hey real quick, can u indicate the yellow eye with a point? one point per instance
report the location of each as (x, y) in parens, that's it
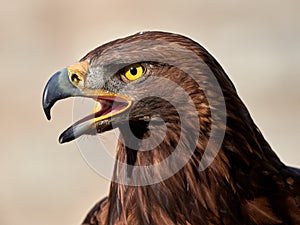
(134, 72)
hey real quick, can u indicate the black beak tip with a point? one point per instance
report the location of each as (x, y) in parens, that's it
(61, 139)
(46, 104)
(67, 136)
(47, 113)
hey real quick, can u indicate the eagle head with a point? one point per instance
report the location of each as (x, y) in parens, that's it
(147, 80)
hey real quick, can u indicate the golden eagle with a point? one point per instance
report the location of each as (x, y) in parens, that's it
(189, 152)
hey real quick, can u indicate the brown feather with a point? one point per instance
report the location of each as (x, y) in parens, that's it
(245, 184)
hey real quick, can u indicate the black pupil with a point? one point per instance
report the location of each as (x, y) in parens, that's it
(133, 71)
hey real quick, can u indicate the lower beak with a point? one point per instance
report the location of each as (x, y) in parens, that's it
(108, 105)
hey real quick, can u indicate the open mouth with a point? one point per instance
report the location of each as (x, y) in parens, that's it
(66, 83)
(100, 120)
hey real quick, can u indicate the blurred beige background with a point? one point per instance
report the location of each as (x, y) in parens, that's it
(45, 183)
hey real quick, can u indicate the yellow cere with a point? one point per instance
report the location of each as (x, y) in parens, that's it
(77, 73)
(134, 72)
(80, 67)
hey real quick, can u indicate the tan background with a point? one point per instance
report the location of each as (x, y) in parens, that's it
(45, 183)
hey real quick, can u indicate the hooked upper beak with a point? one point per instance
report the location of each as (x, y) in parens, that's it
(70, 82)
(58, 87)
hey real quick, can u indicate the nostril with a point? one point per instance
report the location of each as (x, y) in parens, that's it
(75, 78)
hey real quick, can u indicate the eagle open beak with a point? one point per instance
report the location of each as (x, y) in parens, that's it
(69, 82)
